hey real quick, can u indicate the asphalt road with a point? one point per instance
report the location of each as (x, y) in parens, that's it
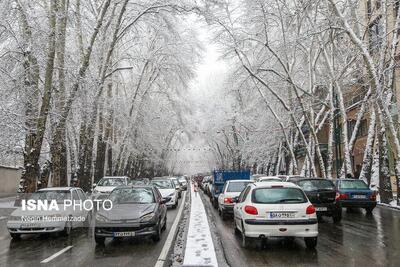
(359, 240)
(31, 250)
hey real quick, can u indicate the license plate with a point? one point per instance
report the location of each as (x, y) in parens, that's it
(359, 196)
(30, 225)
(123, 234)
(321, 208)
(281, 215)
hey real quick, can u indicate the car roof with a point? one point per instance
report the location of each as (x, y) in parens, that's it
(108, 177)
(66, 188)
(274, 184)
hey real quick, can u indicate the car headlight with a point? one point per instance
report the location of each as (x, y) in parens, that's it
(15, 218)
(101, 218)
(172, 194)
(147, 217)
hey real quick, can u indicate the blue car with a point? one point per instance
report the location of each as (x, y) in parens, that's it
(353, 193)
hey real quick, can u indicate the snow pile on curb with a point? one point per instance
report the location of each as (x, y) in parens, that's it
(199, 244)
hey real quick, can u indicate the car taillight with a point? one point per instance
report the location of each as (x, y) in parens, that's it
(341, 196)
(251, 210)
(310, 209)
(228, 200)
(373, 196)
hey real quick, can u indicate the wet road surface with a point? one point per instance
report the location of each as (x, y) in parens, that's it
(31, 250)
(359, 240)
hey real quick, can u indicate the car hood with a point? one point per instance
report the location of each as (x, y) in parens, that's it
(166, 192)
(127, 211)
(104, 189)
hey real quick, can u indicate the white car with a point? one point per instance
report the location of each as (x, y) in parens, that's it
(231, 189)
(275, 209)
(269, 179)
(50, 220)
(167, 189)
(107, 184)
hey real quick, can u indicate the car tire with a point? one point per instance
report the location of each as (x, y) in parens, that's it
(99, 239)
(157, 236)
(165, 224)
(67, 229)
(311, 242)
(369, 210)
(15, 236)
(245, 240)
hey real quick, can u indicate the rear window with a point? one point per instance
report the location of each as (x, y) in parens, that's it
(314, 185)
(356, 184)
(236, 186)
(278, 195)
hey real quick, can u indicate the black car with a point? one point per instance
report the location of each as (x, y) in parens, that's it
(135, 211)
(322, 194)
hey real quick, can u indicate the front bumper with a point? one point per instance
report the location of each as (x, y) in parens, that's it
(35, 228)
(357, 203)
(108, 230)
(281, 228)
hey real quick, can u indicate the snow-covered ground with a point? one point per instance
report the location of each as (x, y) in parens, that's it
(199, 244)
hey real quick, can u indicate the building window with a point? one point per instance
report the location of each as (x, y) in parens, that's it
(362, 129)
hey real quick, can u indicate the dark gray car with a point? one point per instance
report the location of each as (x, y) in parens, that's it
(136, 211)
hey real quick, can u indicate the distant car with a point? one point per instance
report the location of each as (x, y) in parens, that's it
(178, 187)
(106, 184)
(231, 189)
(354, 193)
(293, 178)
(143, 181)
(275, 209)
(136, 211)
(269, 179)
(167, 190)
(182, 180)
(322, 193)
(37, 224)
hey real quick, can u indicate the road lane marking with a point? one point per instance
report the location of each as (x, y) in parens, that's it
(55, 255)
(167, 245)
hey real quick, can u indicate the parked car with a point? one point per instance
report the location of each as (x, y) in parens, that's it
(354, 193)
(269, 179)
(322, 193)
(275, 209)
(167, 190)
(231, 189)
(103, 188)
(136, 211)
(49, 221)
(177, 186)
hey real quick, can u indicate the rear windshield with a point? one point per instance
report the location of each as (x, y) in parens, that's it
(236, 186)
(353, 184)
(278, 195)
(314, 185)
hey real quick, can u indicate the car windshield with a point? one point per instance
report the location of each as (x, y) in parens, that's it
(182, 180)
(175, 181)
(132, 195)
(162, 184)
(278, 195)
(353, 184)
(236, 186)
(314, 185)
(111, 182)
(58, 195)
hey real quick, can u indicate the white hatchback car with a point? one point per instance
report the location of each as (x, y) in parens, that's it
(232, 189)
(275, 209)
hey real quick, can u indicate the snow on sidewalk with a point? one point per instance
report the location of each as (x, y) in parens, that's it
(199, 245)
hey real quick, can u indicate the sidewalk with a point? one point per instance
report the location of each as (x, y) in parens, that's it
(199, 244)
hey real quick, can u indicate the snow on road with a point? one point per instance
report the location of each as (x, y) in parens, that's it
(199, 245)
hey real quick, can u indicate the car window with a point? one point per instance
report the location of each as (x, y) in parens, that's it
(111, 182)
(81, 195)
(158, 195)
(236, 186)
(353, 184)
(75, 195)
(132, 195)
(313, 185)
(244, 194)
(224, 188)
(278, 195)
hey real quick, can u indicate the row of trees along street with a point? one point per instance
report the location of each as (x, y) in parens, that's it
(295, 67)
(98, 87)
(92, 87)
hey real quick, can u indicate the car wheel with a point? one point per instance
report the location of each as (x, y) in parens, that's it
(165, 224)
(99, 239)
(245, 239)
(311, 242)
(67, 229)
(369, 210)
(157, 236)
(15, 236)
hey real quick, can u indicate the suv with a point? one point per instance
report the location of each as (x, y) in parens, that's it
(275, 209)
(322, 193)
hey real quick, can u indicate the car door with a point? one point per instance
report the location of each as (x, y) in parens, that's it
(161, 208)
(238, 206)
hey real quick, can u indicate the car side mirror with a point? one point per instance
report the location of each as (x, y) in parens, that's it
(235, 199)
(94, 185)
(165, 200)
